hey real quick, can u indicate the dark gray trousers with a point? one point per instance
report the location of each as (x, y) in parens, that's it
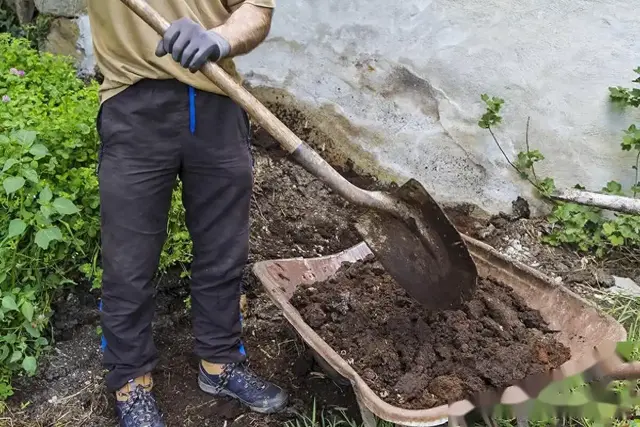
(146, 144)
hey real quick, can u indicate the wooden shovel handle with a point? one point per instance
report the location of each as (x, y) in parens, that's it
(301, 152)
(287, 139)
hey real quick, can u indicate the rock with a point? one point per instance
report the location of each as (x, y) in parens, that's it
(604, 279)
(521, 208)
(72, 37)
(487, 232)
(579, 276)
(624, 285)
(63, 38)
(499, 221)
(62, 8)
(24, 9)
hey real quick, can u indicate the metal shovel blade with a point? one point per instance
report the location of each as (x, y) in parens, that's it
(433, 265)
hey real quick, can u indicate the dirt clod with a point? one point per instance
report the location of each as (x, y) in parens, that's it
(421, 359)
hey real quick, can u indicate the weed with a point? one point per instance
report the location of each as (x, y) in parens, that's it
(585, 228)
(9, 22)
(49, 200)
(36, 32)
(177, 248)
(325, 418)
(625, 97)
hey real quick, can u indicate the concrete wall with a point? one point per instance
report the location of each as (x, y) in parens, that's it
(396, 85)
(408, 76)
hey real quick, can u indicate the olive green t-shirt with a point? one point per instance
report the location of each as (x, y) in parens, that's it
(124, 45)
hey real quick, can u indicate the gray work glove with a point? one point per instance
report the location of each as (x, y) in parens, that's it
(191, 45)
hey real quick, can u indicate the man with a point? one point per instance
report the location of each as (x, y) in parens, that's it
(160, 119)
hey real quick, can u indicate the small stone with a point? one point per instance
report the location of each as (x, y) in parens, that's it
(521, 208)
(487, 232)
(604, 279)
(315, 316)
(626, 286)
(368, 374)
(579, 276)
(499, 222)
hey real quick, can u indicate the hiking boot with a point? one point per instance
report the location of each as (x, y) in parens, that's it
(136, 407)
(239, 382)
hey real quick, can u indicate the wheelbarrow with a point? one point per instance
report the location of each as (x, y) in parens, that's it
(590, 334)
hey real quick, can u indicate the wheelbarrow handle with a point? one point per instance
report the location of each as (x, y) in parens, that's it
(626, 371)
(301, 152)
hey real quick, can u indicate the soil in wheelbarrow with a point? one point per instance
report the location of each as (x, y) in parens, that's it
(416, 359)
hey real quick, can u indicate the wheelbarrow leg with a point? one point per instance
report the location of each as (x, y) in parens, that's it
(457, 413)
(368, 418)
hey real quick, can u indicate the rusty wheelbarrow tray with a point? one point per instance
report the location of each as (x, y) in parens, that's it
(583, 328)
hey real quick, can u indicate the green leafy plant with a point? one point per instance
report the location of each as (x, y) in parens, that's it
(177, 248)
(49, 204)
(49, 199)
(36, 31)
(585, 228)
(9, 21)
(626, 96)
(631, 141)
(525, 161)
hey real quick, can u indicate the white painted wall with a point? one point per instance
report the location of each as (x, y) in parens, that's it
(413, 71)
(408, 76)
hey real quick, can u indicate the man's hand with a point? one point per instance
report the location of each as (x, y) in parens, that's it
(192, 45)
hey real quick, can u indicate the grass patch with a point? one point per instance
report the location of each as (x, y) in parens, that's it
(625, 309)
(328, 418)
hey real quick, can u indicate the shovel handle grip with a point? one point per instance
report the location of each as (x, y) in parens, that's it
(287, 139)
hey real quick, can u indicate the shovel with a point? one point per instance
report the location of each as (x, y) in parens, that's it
(407, 231)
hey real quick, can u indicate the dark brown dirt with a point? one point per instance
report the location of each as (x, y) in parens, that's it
(417, 359)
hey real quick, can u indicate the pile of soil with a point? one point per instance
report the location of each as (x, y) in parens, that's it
(416, 359)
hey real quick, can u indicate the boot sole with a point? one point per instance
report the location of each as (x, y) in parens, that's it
(217, 391)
